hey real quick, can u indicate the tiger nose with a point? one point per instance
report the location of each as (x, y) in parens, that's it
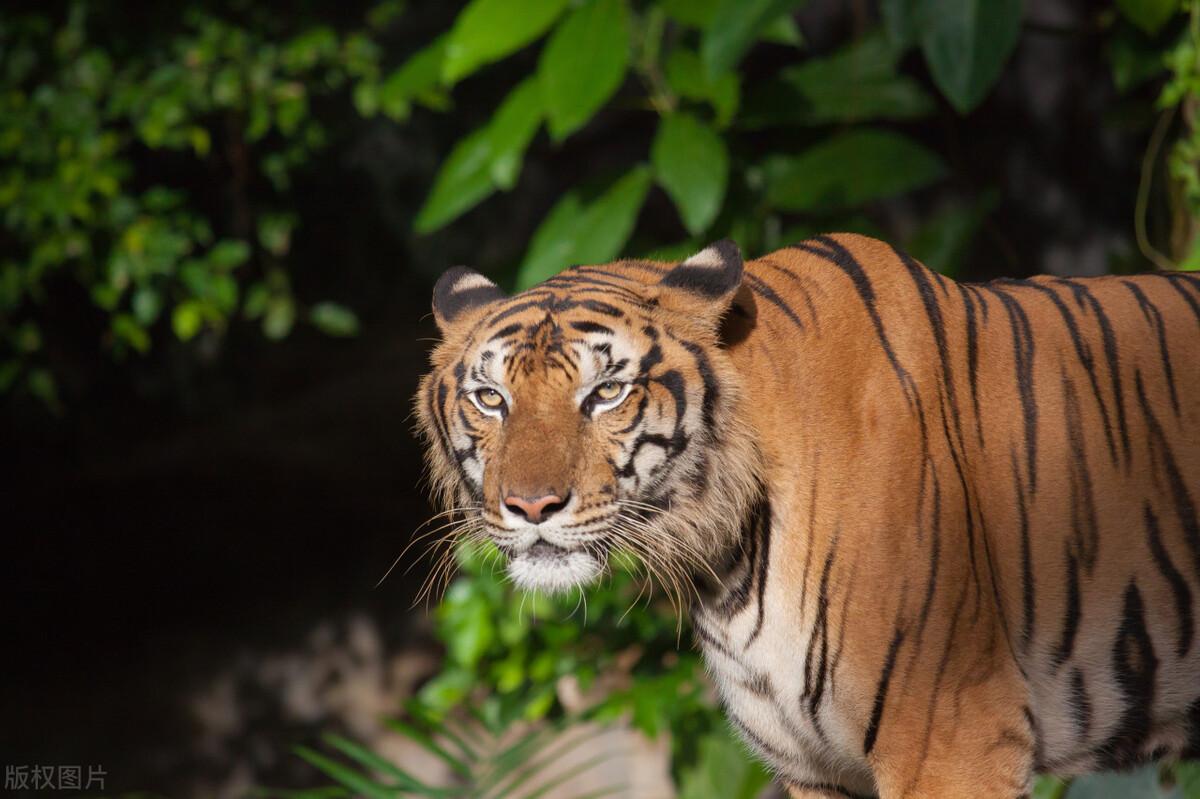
(536, 509)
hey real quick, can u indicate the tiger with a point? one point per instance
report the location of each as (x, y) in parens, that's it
(938, 536)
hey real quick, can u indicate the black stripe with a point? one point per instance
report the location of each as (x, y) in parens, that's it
(972, 356)
(1109, 340)
(1136, 667)
(840, 257)
(1023, 350)
(1154, 317)
(881, 690)
(1027, 578)
(1173, 280)
(1066, 644)
(1179, 586)
(1085, 528)
(760, 287)
(1081, 705)
(591, 327)
(1185, 508)
(1082, 352)
(816, 660)
(764, 563)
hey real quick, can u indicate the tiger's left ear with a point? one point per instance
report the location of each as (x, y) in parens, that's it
(458, 292)
(704, 285)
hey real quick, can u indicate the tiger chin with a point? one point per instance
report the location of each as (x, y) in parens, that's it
(941, 536)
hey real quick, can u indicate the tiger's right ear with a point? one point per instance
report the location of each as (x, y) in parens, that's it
(459, 291)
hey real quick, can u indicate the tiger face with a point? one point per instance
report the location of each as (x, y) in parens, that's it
(564, 421)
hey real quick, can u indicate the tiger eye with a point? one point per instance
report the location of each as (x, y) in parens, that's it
(489, 398)
(608, 390)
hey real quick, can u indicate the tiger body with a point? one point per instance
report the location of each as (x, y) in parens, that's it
(949, 531)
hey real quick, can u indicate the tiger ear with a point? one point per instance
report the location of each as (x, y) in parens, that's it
(460, 290)
(705, 284)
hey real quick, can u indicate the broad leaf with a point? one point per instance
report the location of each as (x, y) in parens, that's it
(486, 160)
(417, 80)
(902, 20)
(688, 78)
(1149, 15)
(462, 183)
(691, 163)
(511, 129)
(583, 64)
(855, 84)
(850, 169)
(942, 242)
(735, 26)
(488, 30)
(966, 43)
(333, 319)
(575, 232)
(1134, 59)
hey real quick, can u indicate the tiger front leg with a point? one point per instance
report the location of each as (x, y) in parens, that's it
(965, 733)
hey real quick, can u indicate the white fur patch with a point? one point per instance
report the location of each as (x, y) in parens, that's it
(709, 258)
(468, 282)
(553, 574)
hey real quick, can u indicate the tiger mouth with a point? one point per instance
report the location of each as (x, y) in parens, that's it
(544, 550)
(547, 567)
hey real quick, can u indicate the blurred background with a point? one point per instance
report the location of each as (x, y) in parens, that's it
(219, 227)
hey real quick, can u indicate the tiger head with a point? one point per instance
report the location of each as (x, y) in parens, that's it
(598, 410)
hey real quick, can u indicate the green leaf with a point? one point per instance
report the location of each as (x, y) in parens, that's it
(850, 169)
(735, 26)
(462, 183)
(583, 64)
(688, 77)
(275, 232)
(378, 764)
(418, 79)
(333, 319)
(467, 625)
(1134, 59)
(146, 304)
(902, 20)
(1046, 787)
(360, 785)
(578, 233)
(127, 329)
(966, 43)
(1187, 777)
(697, 13)
(279, 317)
(487, 159)
(187, 319)
(512, 128)
(942, 242)
(722, 768)
(1149, 15)
(427, 742)
(692, 165)
(855, 84)
(229, 254)
(488, 30)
